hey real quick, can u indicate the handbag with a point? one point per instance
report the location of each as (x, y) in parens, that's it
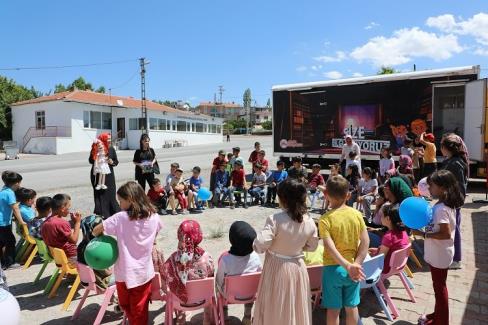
(156, 169)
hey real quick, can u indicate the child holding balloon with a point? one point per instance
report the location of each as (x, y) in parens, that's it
(439, 240)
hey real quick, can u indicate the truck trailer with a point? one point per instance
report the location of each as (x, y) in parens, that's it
(311, 119)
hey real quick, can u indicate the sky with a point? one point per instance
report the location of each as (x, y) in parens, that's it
(195, 46)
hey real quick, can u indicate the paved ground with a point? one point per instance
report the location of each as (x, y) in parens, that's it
(468, 288)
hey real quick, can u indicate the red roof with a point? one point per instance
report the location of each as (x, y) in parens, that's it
(223, 105)
(91, 97)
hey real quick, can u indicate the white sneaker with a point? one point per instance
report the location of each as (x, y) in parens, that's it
(98, 187)
(104, 187)
(455, 265)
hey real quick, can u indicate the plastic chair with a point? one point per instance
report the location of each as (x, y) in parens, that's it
(200, 295)
(32, 247)
(62, 263)
(23, 250)
(239, 289)
(87, 276)
(46, 259)
(398, 260)
(315, 278)
(372, 269)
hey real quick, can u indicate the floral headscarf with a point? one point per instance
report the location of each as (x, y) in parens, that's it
(189, 262)
(406, 164)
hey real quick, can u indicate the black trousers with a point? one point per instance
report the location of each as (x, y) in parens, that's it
(143, 178)
(271, 194)
(7, 241)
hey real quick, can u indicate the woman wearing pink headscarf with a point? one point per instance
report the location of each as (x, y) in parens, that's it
(457, 162)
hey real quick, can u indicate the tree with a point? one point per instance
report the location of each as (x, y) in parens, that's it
(79, 84)
(387, 70)
(268, 104)
(10, 92)
(246, 98)
(267, 125)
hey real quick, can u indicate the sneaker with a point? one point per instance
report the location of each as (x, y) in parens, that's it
(245, 206)
(98, 187)
(174, 212)
(422, 320)
(104, 187)
(14, 266)
(455, 265)
(162, 212)
(232, 207)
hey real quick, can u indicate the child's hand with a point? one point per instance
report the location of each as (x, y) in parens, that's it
(355, 272)
(76, 217)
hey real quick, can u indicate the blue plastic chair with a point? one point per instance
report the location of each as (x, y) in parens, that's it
(372, 269)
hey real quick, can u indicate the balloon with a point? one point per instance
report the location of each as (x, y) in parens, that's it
(9, 308)
(415, 212)
(204, 194)
(101, 252)
(423, 187)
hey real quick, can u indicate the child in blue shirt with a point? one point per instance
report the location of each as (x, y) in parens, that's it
(277, 176)
(26, 198)
(196, 182)
(8, 207)
(222, 181)
(43, 207)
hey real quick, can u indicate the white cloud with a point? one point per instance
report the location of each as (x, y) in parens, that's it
(357, 74)
(476, 26)
(339, 56)
(445, 23)
(301, 68)
(371, 25)
(406, 44)
(482, 52)
(333, 75)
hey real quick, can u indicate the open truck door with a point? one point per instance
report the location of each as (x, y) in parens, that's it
(474, 119)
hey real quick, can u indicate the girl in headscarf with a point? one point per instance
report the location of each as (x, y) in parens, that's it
(405, 170)
(457, 162)
(240, 259)
(397, 190)
(189, 262)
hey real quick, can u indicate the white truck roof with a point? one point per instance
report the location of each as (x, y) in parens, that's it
(475, 69)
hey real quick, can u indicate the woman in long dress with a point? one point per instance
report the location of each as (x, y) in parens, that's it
(350, 146)
(284, 295)
(105, 202)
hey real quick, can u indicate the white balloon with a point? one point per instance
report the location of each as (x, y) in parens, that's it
(423, 187)
(9, 308)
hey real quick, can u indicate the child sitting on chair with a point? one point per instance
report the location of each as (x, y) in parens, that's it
(43, 207)
(222, 181)
(157, 195)
(277, 176)
(179, 187)
(196, 182)
(258, 183)
(26, 198)
(314, 181)
(240, 259)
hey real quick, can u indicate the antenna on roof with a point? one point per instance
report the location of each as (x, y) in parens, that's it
(221, 91)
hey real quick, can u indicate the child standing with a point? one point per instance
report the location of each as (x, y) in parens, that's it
(254, 155)
(43, 207)
(229, 167)
(157, 195)
(238, 183)
(241, 259)
(257, 186)
(221, 186)
(277, 177)
(406, 149)
(439, 240)
(136, 228)
(99, 154)
(284, 288)
(346, 244)
(430, 160)
(386, 163)
(8, 206)
(367, 191)
(196, 182)
(235, 157)
(353, 177)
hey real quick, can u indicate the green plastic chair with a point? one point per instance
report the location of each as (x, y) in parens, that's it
(46, 258)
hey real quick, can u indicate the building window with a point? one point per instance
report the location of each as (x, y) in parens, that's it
(219, 129)
(153, 124)
(95, 120)
(265, 118)
(86, 119)
(174, 126)
(40, 120)
(136, 123)
(107, 121)
(200, 128)
(162, 124)
(181, 126)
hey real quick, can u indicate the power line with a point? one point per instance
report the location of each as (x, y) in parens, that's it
(125, 82)
(53, 67)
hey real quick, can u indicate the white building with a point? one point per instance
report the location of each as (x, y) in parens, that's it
(70, 121)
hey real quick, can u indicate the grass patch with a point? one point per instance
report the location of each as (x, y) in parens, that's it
(217, 232)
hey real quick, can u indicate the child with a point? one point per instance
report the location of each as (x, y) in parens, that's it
(179, 188)
(238, 183)
(254, 155)
(353, 160)
(394, 239)
(375, 227)
(430, 160)
(406, 171)
(417, 159)
(386, 163)
(277, 177)
(335, 170)
(188, 262)
(346, 244)
(241, 259)
(215, 166)
(284, 290)
(169, 189)
(257, 186)
(136, 228)
(439, 240)
(262, 161)
(229, 167)
(367, 191)
(99, 154)
(9, 206)
(43, 207)
(235, 157)
(314, 181)
(221, 186)
(195, 183)
(56, 231)
(353, 177)
(406, 149)
(26, 198)
(297, 171)
(157, 195)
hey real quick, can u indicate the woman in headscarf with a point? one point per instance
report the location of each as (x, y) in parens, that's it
(456, 161)
(350, 146)
(240, 259)
(105, 202)
(405, 170)
(189, 262)
(397, 190)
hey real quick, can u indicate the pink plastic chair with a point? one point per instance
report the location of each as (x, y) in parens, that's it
(200, 295)
(88, 276)
(315, 276)
(239, 289)
(398, 260)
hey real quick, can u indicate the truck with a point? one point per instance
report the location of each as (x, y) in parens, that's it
(311, 119)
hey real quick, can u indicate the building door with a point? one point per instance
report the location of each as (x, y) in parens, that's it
(475, 105)
(121, 128)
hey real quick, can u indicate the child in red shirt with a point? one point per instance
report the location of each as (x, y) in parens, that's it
(262, 161)
(315, 180)
(238, 183)
(157, 195)
(254, 155)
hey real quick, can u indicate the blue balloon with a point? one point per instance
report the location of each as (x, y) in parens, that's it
(415, 212)
(204, 194)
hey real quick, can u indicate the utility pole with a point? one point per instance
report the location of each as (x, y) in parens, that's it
(143, 94)
(221, 91)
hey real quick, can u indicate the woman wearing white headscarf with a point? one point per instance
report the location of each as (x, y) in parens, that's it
(350, 146)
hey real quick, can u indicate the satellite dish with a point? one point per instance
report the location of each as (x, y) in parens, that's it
(120, 102)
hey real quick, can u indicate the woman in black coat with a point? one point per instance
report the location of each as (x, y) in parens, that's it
(145, 162)
(105, 202)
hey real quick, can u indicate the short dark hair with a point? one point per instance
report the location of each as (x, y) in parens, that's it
(293, 194)
(280, 163)
(352, 154)
(197, 169)
(43, 204)
(337, 187)
(296, 159)
(262, 152)
(381, 191)
(179, 170)
(238, 163)
(407, 141)
(154, 182)
(257, 144)
(316, 166)
(221, 152)
(392, 211)
(258, 166)
(175, 165)
(59, 201)
(370, 172)
(388, 152)
(10, 178)
(236, 149)
(25, 194)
